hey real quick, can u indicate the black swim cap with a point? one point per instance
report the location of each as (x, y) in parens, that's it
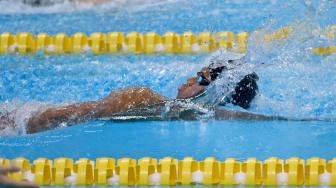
(216, 68)
(245, 91)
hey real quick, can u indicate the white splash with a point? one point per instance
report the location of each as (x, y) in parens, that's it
(21, 112)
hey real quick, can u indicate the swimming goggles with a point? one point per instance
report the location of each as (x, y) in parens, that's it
(202, 80)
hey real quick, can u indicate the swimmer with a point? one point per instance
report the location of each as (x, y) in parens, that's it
(143, 103)
(52, 2)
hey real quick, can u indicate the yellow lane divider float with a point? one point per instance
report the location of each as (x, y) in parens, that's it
(134, 42)
(325, 50)
(169, 171)
(116, 42)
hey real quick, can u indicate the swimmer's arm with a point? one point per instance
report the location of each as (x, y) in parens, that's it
(53, 116)
(224, 114)
(116, 102)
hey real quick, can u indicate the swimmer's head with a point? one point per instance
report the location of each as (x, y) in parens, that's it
(194, 85)
(197, 85)
(244, 93)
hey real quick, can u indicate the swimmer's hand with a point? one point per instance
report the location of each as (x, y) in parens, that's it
(7, 182)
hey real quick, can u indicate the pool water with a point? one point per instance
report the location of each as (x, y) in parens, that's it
(293, 81)
(222, 139)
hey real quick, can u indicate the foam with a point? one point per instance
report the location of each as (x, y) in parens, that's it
(300, 81)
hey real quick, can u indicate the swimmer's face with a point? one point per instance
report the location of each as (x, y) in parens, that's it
(194, 85)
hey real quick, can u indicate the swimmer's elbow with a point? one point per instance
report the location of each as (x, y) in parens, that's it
(43, 121)
(37, 124)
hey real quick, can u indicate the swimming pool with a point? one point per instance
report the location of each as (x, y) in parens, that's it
(293, 81)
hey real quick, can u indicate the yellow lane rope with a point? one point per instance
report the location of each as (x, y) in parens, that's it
(170, 171)
(118, 42)
(135, 42)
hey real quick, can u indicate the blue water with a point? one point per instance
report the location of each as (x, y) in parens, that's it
(222, 139)
(295, 83)
(149, 15)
